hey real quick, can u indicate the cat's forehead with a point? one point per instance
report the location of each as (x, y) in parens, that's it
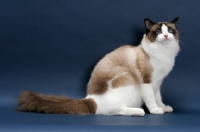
(160, 24)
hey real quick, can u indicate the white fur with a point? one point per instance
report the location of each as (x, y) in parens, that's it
(128, 100)
(113, 101)
(162, 55)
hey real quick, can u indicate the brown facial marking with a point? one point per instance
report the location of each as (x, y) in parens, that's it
(36, 102)
(173, 27)
(151, 35)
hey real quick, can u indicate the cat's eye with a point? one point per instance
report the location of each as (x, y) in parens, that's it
(158, 32)
(170, 30)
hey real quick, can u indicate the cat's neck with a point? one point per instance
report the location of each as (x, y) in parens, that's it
(159, 50)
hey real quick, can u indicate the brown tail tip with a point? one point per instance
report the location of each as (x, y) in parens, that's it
(36, 102)
(26, 100)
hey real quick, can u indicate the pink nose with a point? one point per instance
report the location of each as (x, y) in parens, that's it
(166, 36)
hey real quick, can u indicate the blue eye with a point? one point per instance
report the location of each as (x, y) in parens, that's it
(158, 32)
(170, 30)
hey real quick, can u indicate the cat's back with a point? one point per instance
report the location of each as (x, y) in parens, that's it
(121, 56)
(114, 64)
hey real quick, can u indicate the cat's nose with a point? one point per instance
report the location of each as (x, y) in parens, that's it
(166, 36)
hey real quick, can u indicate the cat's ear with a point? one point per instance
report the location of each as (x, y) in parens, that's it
(175, 21)
(148, 23)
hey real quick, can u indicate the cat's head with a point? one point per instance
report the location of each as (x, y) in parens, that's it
(162, 32)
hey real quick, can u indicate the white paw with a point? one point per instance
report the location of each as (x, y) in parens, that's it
(159, 111)
(168, 108)
(139, 112)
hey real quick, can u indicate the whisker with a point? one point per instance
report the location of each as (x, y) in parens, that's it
(182, 43)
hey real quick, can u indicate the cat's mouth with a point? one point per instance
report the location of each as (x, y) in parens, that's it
(165, 41)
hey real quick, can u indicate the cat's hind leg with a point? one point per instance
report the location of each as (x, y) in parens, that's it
(128, 111)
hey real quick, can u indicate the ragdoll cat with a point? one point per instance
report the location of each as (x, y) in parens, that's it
(122, 81)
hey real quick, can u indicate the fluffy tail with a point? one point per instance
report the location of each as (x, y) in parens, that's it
(36, 102)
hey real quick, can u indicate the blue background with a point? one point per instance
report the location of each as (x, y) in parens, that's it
(52, 47)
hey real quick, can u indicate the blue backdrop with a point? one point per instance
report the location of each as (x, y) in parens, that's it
(51, 46)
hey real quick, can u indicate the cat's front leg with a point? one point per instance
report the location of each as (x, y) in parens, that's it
(166, 108)
(150, 100)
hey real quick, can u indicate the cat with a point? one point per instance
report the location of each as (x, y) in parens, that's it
(122, 81)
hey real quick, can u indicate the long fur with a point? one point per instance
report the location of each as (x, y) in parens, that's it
(36, 102)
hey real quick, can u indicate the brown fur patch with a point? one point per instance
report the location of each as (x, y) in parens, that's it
(123, 80)
(36, 102)
(97, 85)
(117, 62)
(144, 66)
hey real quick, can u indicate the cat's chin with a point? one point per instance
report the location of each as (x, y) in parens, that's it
(165, 41)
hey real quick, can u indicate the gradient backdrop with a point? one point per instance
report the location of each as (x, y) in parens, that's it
(51, 46)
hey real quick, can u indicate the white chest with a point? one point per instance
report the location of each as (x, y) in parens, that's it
(162, 58)
(162, 65)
